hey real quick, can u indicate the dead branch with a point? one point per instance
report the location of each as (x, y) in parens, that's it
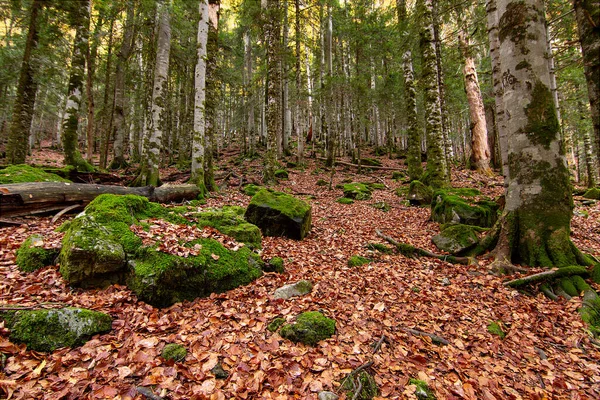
(337, 162)
(411, 251)
(144, 391)
(547, 275)
(434, 338)
(64, 211)
(379, 343)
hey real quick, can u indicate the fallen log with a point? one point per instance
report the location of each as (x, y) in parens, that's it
(19, 199)
(362, 166)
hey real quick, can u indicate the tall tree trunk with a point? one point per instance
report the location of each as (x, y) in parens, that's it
(587, 147)
(89, 88)
(250, 102)
(480, 152)
(435, 173)
(212, 95)
(81, 21)
(330, 132)
(535, 226)
(26, 91)
(118, 161)
(588, 14)
(285, 98)
(149, 174)
(106, 114)
(272, 29)
(299, 135)
(197, 176)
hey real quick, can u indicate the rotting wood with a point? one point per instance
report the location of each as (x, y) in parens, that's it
(21, 199)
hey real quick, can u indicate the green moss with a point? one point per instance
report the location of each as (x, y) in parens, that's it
(595, 274)
(288, 205)
(567, 285)
(495, 329)
(174, 351)
(370, 162)
(523, 64)
(382, 248)
(397, 175)
(447, 207)
(423, 392)
(357, 191)
(357, 261)
(381, 205)
(251, 189)
(344, 200)
(310, 328)
(22, 173)
(230, 221)
(593, 193)
(418, 193)
(281, 174)
(31, 255)
(590, 312)
(376, 186)
(580, 283)
(321, 182)
(275, 324)
(275, 264)
(542, 123)
(365, 380)
(47, 330)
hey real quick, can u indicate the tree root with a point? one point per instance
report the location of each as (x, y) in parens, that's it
(547, 275)
(411, 251)
(434, 338)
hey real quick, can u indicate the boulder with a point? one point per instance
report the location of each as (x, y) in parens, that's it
(279, 214)
(32, 255)
(456, 239)
(48, 330)
(357, 191)
(447, 207)
(310, 328)
(230, 221)
(299, 288)
(593, 193)
(419, 194)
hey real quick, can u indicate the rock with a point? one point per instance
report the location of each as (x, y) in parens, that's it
(369, 388)
(281, 174)
(357, 261)
(230, 221)
(422, 391)
(381, 205)
(32, 255)
(345, 200)
(357, 191)
(219, 372)
(275, 264)
(448, 207)
(47, 330)
(21, 173)
(456, 239)
(370, 162)
(279, 214)
(174, 351)
(324, 395)
(592, 193)
(299, 288)
(419, 194)
(446, 282)
(251, 189)
(310, 328)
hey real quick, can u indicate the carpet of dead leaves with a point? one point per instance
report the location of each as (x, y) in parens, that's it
(547, 353)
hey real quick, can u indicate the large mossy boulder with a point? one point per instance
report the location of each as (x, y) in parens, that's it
(310, 328)
(456, 239)
(593, 193)
(48, 330)
(21, 173)
(419, 194)
(357, 191)
(279, 214)
(100, 247)
(449, 206)
(32, 254)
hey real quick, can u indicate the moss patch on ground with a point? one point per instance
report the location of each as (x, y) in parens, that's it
(357, 191)
(281, 174)
(357, 261)
(310, 328)
(423, 392)
(22, 173)
(230, 221)
(251, 189)
(593, 193)
(275, 264)
(276, 324)
(174, 351)
(345, 200)
(32, 255)
(495, 329)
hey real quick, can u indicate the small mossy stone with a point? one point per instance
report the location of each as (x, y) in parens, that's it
(281, 174)
(447, 207)
(310, 328)
(345, 200)
(219, 372)
(276, 324)
(357, 261)
(321, 182)
(365, 381)
(397, 175)
(423, 392)
(32, 255)
(567, 285)
(327, 395)
(495, 329)
(419, 194)
(299, 288)
(174, 351)
(48, 330)
(593, 193)
(251, 189)
(456, 239)
(275, 264)
(357, 191)
(23, 173)
(381, 205)
(376, 186)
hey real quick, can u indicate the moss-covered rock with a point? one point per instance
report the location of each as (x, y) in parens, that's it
(422, 392)
(310, 328)
(275, 264)
(281, 174)
(230, 221)
(251, 189)
(381, 205)
(397, 175)
(365, 381)
(299, 288)
(47, 330)
(357, 191)
(357, 261)
(22, 173)
(419, 194)
(370, 162)
(345, 200)
(276, 324)
(321, 182)
(32, 255)
(279, 214)
(495, 329)
(593, 193)
(456, 239)
(375, 185)
(447, 207)
(174, 351)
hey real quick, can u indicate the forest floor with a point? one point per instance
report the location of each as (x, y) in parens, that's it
(546, 354)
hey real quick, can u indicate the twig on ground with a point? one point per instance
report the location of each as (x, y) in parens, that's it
(434, 338)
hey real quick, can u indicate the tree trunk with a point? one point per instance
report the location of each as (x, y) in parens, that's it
(149, 174)
(89, 89)
(211, 95)
(285, 98)
(299, 135)
(535, 226)
(590, 170)
(250, 103)
(16, 150)
(118, 161)
(588, 14)
(105, 116)
(197, 176)
(81, 21)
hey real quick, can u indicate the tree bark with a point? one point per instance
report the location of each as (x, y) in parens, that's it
(212, 94)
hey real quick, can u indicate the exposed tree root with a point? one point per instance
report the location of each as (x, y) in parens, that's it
(411, 251)
(548, 275)
(434, 338)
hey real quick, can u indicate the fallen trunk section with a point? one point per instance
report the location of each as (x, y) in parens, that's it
(21, 199)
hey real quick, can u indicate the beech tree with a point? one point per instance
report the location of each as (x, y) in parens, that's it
(535, 226)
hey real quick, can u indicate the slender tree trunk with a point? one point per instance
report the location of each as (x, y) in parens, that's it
(26, 91)
(299, 135)
(285, 98)
(118, 161)
(89, 89)
(149, 174)
(329, 111)
(212, 95)
(535, 226)
(105, 118)
(588, 148)
(250, 102)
